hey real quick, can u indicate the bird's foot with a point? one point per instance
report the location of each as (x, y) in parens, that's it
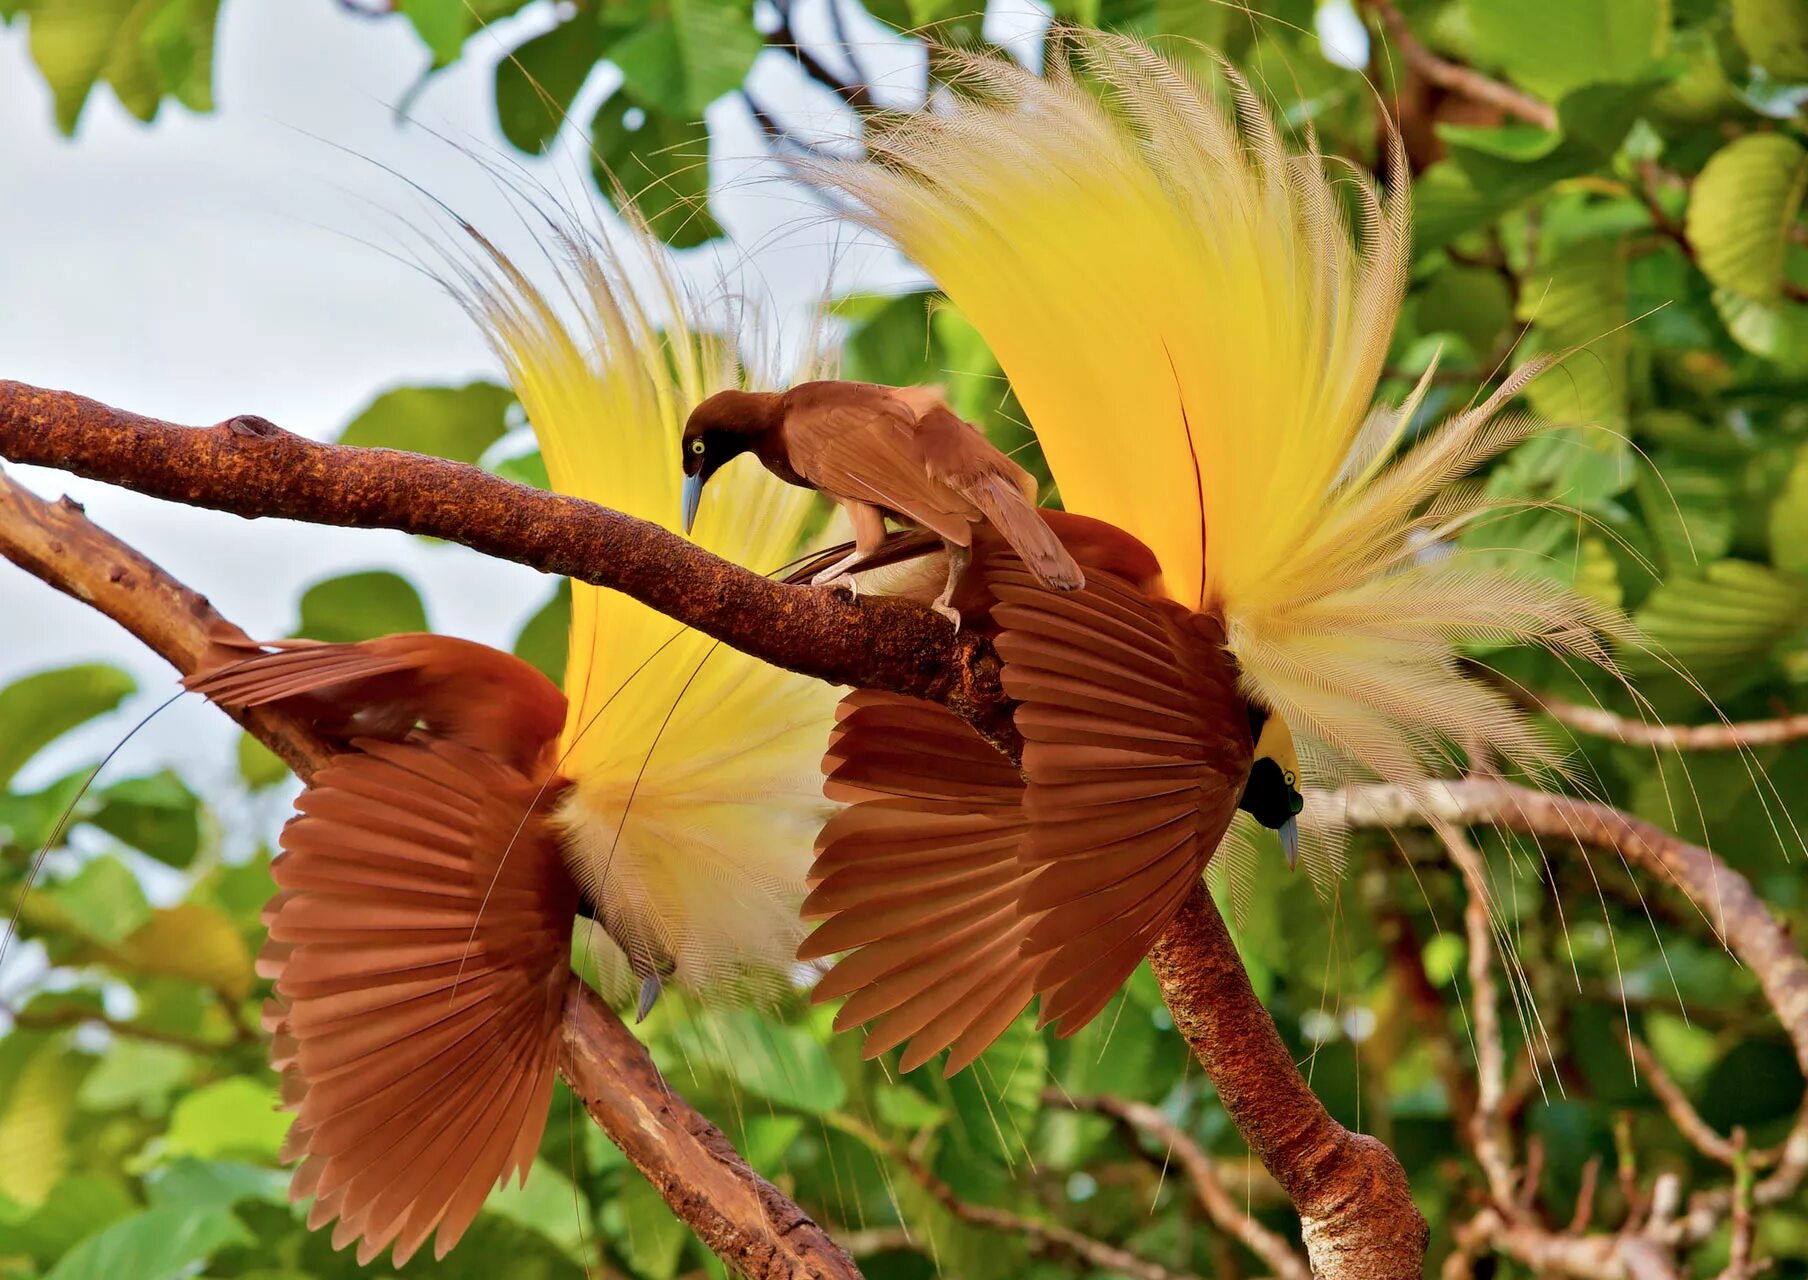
(844, 582)
(949, 612)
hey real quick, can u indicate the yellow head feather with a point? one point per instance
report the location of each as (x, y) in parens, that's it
(1196, 334)
(697, 790)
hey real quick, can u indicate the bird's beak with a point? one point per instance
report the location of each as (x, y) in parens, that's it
(693, 497)
(1290, 842)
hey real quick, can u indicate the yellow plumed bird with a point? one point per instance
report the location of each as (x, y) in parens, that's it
(421, 937)
(1194, 315)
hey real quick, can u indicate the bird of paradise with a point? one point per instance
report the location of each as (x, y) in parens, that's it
(420, 942)
(1196, 332)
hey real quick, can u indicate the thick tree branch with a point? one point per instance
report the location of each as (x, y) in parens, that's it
(251, 467)
(1731, 736)
(741, 1217)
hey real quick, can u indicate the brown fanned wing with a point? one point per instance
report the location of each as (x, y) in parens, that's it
(917, 881)
(1136, 749)
(387, 687)
(420, 949)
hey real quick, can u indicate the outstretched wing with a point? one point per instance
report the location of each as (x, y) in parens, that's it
(917, 880)
(420, 949)
(1136, 748)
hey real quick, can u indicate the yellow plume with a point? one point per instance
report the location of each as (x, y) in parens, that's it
(697, 790)
(1196, 334)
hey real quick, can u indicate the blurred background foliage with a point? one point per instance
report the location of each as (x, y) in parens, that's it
(1633, 194)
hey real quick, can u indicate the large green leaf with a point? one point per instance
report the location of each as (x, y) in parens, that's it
(37, 1101)
(103, 900)
(545, 1203)
(156, 814)
(145, 49)
(662, 163)
(684, 58)
(238, 1117)
(1789, 519)
(448, 422)
(1775, 34)
(1553, 47)
(38, 709)
(1742, 210)
(1578, 300)
(1778, 331)
(783, 1064)
(360, 606)
(195, 942)
(1729, 618)
(71, 41)
(159, 1244)
(77, 1206)
(536, 83)
(137, 1074)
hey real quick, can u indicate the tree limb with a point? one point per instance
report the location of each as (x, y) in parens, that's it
(1454, 77)
(740, 1216)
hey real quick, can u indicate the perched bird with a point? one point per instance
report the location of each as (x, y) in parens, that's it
(1196, 335)
(420, 942)
(881, 451)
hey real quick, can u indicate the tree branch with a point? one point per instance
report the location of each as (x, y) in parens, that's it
(740, 1216)
(1454, 77)
(1731, 736)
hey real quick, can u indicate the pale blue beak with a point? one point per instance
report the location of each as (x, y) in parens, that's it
(693, 498)
(1290, 841)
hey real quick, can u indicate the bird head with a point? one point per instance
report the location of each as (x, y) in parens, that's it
(1272, 795)
(721, 428)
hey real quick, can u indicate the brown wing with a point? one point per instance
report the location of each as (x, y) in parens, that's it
(420, 948)
(387, 687)
(958, 455)
(857, 441)
(1136, 748)
(917, 880)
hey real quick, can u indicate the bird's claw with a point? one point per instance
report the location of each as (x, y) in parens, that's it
(844, 582)
(949, 612)
(650, 987)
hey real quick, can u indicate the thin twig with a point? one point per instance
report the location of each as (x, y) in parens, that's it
(72, 1016)
(1455, 78)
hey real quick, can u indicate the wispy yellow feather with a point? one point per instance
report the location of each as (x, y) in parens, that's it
(1196, 334)
(697, 790)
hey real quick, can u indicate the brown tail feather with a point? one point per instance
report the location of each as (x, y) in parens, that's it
(420, 947)
(919, 878)
(1018, 519)
(386, 688)
(1136, 750)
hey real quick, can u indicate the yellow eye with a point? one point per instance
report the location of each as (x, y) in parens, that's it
(697, 445)
(1288, 777)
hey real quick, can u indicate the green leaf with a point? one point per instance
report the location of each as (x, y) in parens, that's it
(258, 765)
(1775, 35)
(1727, 619)
(545, 637)
(528, 469)
(38, 709)
(159, 1244)
(178, 39)
(1471, 302)
(662, 165)
(1578, 299)
(36, 1105)
(361, 606)
(238, 1117)
(1553, 47)
(652, 1240)
(1778, 331)
(216, 1184)
(77, 1206)
(1689, 512)
(1789, 518)
(1742, 209)
(545, 1203)
(156, 814)
(138, 1074)
(536, 84)
(679, 63)
(996, 1099)
(448, 422)
(442, 26)
(103, 900)
(782, 1064)
(71, 41)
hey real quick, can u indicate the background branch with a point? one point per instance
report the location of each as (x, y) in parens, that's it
(742, 1218)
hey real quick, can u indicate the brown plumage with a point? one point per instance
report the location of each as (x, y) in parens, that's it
(881, 451)
(960, 889)
(420, 938)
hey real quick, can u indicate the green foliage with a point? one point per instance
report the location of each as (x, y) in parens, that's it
(451, 422)
(38, 709)
(359, 606)
(146, 50)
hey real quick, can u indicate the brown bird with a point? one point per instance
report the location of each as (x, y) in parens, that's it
(420, 937)
(959, 891)
(880, 451)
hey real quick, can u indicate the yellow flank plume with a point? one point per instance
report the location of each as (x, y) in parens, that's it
(697, 789)
(1195, 330)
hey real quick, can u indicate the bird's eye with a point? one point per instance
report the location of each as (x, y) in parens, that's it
(1288, 777)
(697, 446)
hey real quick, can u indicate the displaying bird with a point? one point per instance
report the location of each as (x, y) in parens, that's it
(420, 942)
(1196, 335)
(881, 451)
